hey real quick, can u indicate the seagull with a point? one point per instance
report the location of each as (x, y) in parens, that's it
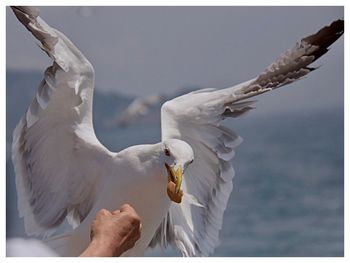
(179, 187)
(137, 108)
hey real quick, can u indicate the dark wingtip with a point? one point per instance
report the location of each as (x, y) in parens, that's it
(25, 14)
(325, 37)
(31, 11)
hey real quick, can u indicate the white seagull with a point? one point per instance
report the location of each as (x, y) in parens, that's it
(63, 171)
(137, 108)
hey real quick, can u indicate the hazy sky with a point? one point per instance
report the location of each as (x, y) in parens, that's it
(145, 50)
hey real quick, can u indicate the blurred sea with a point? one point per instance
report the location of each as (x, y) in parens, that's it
(288, 195)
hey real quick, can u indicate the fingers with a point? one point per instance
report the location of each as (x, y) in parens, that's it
(127, 208)
(103, 212)
(134, 217)
(116, 212)
(123, 208)
(117, 230)
(134, 220)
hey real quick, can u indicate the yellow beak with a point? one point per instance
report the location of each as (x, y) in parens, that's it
(175, 176)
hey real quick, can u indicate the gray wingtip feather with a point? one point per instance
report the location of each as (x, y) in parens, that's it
(32, 11)
(29, 17)
(293, 64)
(325, 37)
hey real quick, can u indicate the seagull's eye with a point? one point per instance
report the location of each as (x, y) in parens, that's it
(191, 161)
(167, 152)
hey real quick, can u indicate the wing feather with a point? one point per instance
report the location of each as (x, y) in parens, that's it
(197, 119)
(56, 155)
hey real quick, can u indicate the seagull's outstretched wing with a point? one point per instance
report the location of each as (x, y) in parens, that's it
(55, 151)
(197, 119)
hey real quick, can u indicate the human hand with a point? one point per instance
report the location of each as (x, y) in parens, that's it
(114, 233)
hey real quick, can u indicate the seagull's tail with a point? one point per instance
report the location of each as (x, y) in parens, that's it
(290, 66)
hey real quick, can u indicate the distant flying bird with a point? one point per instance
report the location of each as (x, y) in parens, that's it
(63, 171)
(143, 107)
(138, 108)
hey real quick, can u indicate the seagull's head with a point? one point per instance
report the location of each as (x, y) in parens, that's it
(177, 156)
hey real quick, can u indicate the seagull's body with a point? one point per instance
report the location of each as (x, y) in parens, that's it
(63, 171)
(140, 178)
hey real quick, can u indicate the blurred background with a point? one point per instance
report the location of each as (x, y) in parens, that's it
(288, 195)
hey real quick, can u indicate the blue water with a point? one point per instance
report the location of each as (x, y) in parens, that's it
(288, 196)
